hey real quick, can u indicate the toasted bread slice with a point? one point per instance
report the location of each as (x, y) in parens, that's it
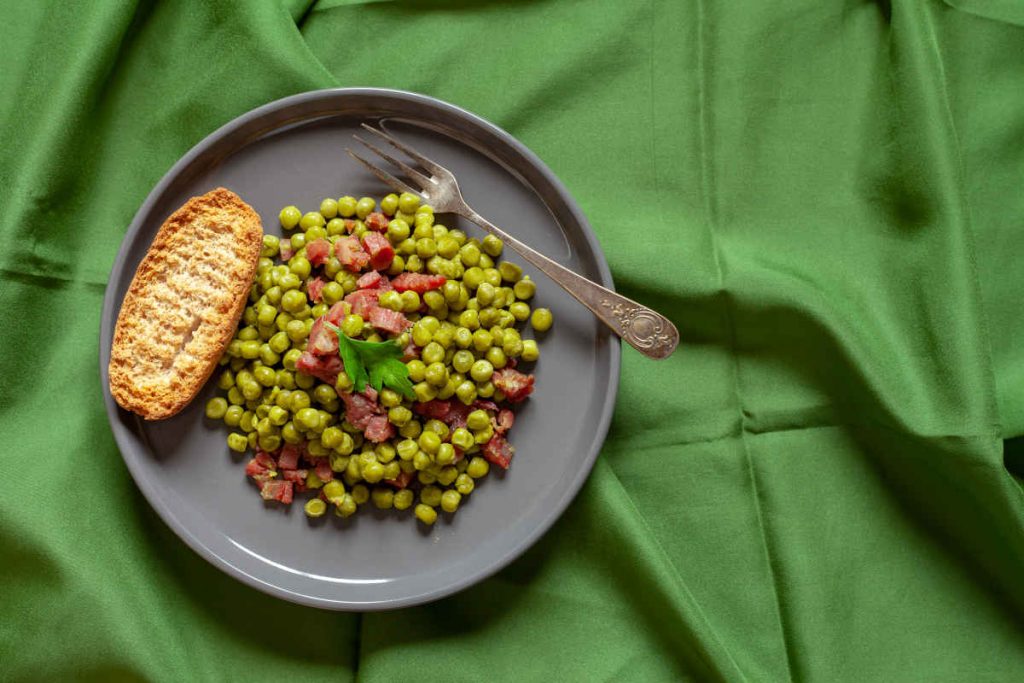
(184, 303)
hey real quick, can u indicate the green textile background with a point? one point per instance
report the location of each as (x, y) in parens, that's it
(826, 196)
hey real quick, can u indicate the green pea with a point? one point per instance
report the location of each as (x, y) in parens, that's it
(492, 246)
(398, 231)
(271, 244)
(226, 380)
(389, 398)
(373, 472)
(248, 333)
(432, 353)
(485, 390)
(324, 393)
(469, 319)
(484, 435)
(407, 449)
(346, 445)
(266, 428)
(482, 340)
(485, 294)
(417, 370)
(462, 438)
(329, 208)
(314, 508)
(233, 415)
(347, 206)
(425, 514)
(347, 507)
(300, 267)
(434, 300)
(391, 300)
(265, 376)
(520, 310)
(513, 347)
(399, 415)
(462, 337)
(309, 220)
(383, 498)
(364, 207)
(492, 277)
(510, 272)
(307, 418)
(445, 454)
(296, 330)
(268, 356)
(414, 264)
(464, 484)
(450, 500)
(298, 241)
(293, 301)
(424, 392)
(266, 314)
(216, 408)
(299, 400)
(486, 261)
(250, 349)
(436, 374)
(445, 335)
(235, 396)
(403, 499)
(451, 290)
(408, 202)
(317, 311)
(469, 254)
(496, 357)
(530, 351)
(290, 434)
(473, 276)
(481, 370)
(426, 248)
(335, 227)
(290, 358)
(352, 325)
(541, 319)
(410, 301)
(289, 217)
(466, 391)
(477, 468)
(525, 288)
(462, 361)
(477, 420)
(237, 442)
(397, 265)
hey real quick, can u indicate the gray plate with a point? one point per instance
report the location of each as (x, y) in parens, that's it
(290, 152)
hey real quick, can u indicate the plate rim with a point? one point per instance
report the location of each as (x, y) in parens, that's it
(121, 432)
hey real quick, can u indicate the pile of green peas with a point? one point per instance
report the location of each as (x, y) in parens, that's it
(465, 332)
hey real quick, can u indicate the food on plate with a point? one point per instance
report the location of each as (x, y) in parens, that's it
(379, 361)
(183, 304)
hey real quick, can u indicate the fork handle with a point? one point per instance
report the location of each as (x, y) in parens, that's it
(647, 331)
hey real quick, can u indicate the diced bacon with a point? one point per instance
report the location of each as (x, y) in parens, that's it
(370, 280)
(324, 368)
(437, 409)
(363, 301)
(483, 404)
(350, 253)
(457, 415)
(410, 351)
(388, 320)
(371, 393)
(417, 282)
(376, 221)
(315, 289)
(515, 385)
(498, 451)
(289, 457)
(338, 312)
(503, 421)
(276, 489)
(402, 480)
(323, 470)
(380, 250)
(295, 476)
(254, 469)
(286, 250)
(378, 429)
(350, 225)
(266, 460)
(318, 251)
(322, 341)
(359, 409)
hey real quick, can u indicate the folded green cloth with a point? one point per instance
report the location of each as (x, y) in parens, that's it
(826, 197)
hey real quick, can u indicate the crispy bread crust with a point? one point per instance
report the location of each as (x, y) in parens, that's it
(184, 303)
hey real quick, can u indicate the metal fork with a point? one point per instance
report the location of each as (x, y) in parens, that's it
(649, 332)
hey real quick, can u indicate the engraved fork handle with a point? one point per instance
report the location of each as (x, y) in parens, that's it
(647, 331)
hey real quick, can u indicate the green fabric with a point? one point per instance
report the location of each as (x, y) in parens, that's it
(820, 485)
